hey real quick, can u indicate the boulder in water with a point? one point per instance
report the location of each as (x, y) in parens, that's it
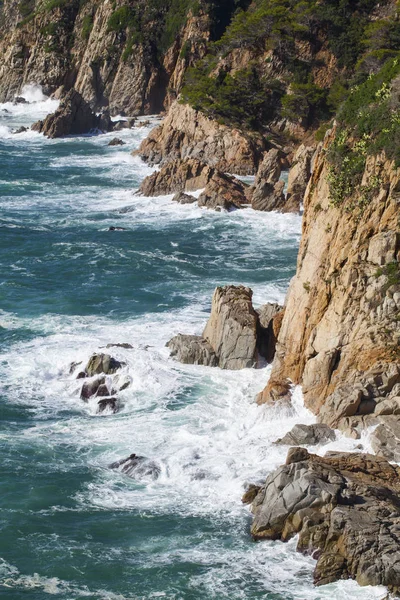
(183, 198)
(20, 130)
(107, 404)
(116, 142)
(192, 350)
(308, 435)
(102, 363)
(137, 467)
(90, 388)
(223, 192)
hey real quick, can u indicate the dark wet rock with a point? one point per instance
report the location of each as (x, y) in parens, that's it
(270, 318)
(223, 192)
(116, 142)
(90, 388)
(232, 327)
(73, 366)
(108, 404)
(20, 130)
(192, 350)
(103, 391)
(20, 100)
(102, 363)
(114, 228)
(183, 198)
(120, 345)
(308, 435)
(74, 116)
(81, 375)
(138, 467)
(345, 508)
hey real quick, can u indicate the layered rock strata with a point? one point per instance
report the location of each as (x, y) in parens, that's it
(345, 509)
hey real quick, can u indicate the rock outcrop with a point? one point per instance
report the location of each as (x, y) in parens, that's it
(307, 435)
(345, 509)
(233, 337)
(232, 327)
(340, 333)
(73, 116)
(177, 176)
(192, 350)
(186, 133)
(267, 192)
(223, 192)
(269, 323)
(102, 363)
(299, 175)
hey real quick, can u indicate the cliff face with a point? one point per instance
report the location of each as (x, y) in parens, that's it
(89, 46)
(341, 329)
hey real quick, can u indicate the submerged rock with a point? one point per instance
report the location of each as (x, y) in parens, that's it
(192, 350)
(344, 507)
(183, 198)
(20, 130)
(108, 404)
(308, 435)
(116, 142)
(90, 388)
(138, 467)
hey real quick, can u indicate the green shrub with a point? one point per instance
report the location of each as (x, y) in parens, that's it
(87, 26)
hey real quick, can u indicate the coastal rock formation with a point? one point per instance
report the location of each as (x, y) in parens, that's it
(192, 350)
(177, 176)
(270, 317)
(102, 363)
(235, 334)
(137, 467)
(116, 142)
(267, 192)
(232, 327)
(345, 509)
(307, 435)
(73, 116)
(186, 133)
(183, 198)
(223, 192)
(109, 405)
(299, 175)
(340, 333)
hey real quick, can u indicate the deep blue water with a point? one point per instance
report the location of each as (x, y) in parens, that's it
(71, 528)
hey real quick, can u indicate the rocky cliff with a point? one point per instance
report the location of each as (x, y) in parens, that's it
(341, 329)
(111, 52)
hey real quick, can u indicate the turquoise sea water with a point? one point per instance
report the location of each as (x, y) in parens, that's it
(71, 528)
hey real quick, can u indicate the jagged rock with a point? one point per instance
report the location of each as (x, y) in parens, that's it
(103, 391)
(137, 467)
(90, 388)
(299, 175)
(269, 196)
(116, 142)
(186, 133)
(20, 130)
(232, 327)
(390, 406)
(276, 391)
(270, 317)
(177, 176)
(73, 366)
(192, 350)
(343, 402)
(20, 100)
(307, 435)
(223, 192)
(73, 116)
(109, 404)
(382, 247)
(385, 439)
(344, 507)
(102, 363)
(270, 169)
(121, 381)
(183, 198)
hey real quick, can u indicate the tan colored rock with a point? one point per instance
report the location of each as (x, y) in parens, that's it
(270, 318)
(223, 192)
(232, 327)
(186, 133)
(341, 319)
(299, 175)
(177, 176)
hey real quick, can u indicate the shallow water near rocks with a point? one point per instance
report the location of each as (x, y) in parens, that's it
(70, 527)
